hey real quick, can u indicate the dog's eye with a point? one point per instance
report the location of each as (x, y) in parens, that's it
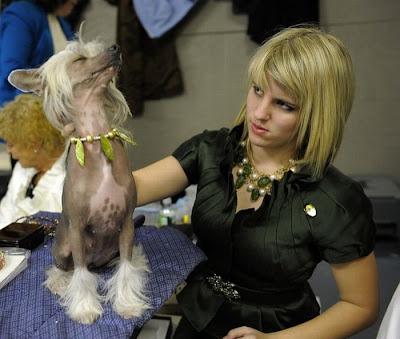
(80, 59)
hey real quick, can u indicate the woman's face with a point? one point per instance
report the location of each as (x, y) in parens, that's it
(25, 155)
(66, 8)
(272, 117)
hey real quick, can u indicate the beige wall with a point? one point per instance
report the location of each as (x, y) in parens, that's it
(214, 50)
(371, 30)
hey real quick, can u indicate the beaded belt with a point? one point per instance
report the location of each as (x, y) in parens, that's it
(232, 292)
(220, 286)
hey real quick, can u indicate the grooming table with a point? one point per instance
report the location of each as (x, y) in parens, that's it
(29, 310)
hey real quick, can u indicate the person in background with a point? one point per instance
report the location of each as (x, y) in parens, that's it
(37, 180)
(31, 31)
(390, 326)
(270, 205)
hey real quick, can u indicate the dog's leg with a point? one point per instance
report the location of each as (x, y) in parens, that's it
(81, 297)
(57, 276)
(126, 289)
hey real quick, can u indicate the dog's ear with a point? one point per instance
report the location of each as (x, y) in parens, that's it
(26, 80)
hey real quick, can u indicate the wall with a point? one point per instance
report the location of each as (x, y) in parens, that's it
(371, 31)
(214, 50)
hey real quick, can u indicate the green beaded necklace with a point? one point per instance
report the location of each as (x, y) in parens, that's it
(104, 139)
(258, 183)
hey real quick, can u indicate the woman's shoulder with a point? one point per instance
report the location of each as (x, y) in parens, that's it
(341, 220)
(22, 8)
(20, 176)
(24, 170)
(338, 195)
(212, 138)
(204, 148)
(340, 187)
(210, 135)
(23, 11)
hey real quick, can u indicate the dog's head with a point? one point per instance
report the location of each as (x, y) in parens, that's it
(69, 77)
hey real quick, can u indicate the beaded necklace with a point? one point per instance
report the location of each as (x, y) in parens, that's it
(258, 183)
(104, 139)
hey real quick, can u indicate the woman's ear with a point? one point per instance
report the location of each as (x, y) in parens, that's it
(26, 80)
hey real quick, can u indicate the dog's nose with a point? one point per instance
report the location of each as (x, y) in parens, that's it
(114, 49)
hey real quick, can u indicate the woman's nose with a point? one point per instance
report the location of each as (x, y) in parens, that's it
(263, 110)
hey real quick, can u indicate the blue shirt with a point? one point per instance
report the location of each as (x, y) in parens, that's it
(25, 42)
(159, 16)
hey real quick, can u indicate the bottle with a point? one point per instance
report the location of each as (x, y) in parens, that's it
(167, 213)
(186, 219)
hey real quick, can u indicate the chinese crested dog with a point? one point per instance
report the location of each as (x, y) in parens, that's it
(80, 98)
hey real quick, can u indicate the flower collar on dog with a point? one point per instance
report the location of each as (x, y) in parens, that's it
(105, 144)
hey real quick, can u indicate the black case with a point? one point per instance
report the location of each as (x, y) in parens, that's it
(22, 235)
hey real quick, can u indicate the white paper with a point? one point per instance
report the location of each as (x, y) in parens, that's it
(12, 268)
(155, 329)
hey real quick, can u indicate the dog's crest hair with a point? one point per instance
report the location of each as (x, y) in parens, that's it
(58, 89)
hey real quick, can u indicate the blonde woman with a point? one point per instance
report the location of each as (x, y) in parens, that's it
(38, 176)
(270, 205)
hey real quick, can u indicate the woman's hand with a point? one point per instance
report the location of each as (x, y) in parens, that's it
(245, 333)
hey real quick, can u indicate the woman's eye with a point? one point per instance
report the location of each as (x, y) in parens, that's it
(285, 106)
(257, 90)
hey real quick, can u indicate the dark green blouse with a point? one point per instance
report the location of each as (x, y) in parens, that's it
(274, 248)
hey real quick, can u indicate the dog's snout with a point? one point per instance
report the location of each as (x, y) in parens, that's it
(114, 49)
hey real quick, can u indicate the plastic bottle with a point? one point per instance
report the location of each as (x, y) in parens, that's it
(167, 213)
(186, 219)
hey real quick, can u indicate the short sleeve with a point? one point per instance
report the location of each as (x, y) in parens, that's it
(187, 155)
(198, 153)
(343, 228)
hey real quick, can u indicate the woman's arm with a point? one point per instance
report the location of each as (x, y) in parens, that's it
(358, 308)
(159, 180)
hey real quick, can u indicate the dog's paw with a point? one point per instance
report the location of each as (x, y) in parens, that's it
(135, 308)
(81, 298)
(126, 289)
(84, 307)
(84, 314)
(57, 280)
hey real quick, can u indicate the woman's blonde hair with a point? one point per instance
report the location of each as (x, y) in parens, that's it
(316, 70)
(23, 121)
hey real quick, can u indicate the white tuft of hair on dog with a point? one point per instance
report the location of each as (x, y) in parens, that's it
(81, 298)
(125, 290)
(57, 280)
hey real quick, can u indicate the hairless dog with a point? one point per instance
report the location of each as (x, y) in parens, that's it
(81, 99)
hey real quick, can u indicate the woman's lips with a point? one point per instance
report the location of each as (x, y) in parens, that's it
(257, 129)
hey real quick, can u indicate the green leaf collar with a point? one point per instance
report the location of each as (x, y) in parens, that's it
(106, 145)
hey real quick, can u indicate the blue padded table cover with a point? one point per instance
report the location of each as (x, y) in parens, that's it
(29, 310)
